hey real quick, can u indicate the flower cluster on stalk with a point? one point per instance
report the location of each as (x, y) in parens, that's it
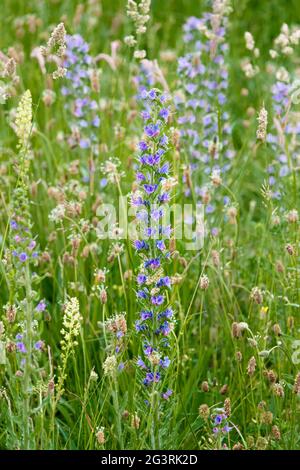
(117, 327)
(220, 423)
(201, 103)
(283, 128)
(80, 84)
(150, 200)
(22, 255)
(283, 136)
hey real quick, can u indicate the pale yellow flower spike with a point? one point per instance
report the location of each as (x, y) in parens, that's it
(23, 120)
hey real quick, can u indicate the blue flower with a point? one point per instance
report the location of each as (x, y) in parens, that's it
(23, 257)
(219, 419)
(21, 347)
(157, 300)
(150, 188)
(152, 130)
(164, 282)
(141, 278)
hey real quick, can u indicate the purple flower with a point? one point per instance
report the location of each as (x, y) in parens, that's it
(152, 263)
(23, 257)
(21, 347)
(166, 395)
(152, 94)
(150, 188)
(227, 428)
(164, 282)
(41, 306)
(145, 115)
(141, 278)
(32, 245)
(165, 362)
(140, 245)
(168, 313)
(219, 419)
(152, 130)
(141, 294)
(143, 146)
(39, 345)
(146, 314)
(164, 113)
(160, 244)
(157, 300)
(141, 363)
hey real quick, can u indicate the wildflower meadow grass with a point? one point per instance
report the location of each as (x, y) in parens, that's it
(149, 244)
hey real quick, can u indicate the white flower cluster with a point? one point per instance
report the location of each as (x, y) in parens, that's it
(261, 132)
(139, 14)
(23, 121)
(71, 324)
(285, 42)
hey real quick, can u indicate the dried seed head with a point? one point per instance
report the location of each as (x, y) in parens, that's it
(205, 386)
(251, 366)
(276, 433)
(239, 356)
(215, 258)
(216, 178)
(48, 97)
(204, 282)
(10, 347)
(266, 417)
(235, 330)
(278, 390)
(103, 296)
(100, 436)
(261, 443)
(172, 245)
(204, 411)
(232, 214)
(250, 441)
(57, 41)
(271, 375)
(256, 295)
(227, 407)
(100, 276)
(290, 322)
(11, 312)
(279, 266)
(297, 384)
(224, 389)
(275, 220)
(10, 68)
(238, 446)
(135, 421)
(51, 386)
(292, 216)
(128, 275)
(276, 329)
(290, 249)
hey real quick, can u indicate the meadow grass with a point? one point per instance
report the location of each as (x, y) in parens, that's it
(236, 300)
